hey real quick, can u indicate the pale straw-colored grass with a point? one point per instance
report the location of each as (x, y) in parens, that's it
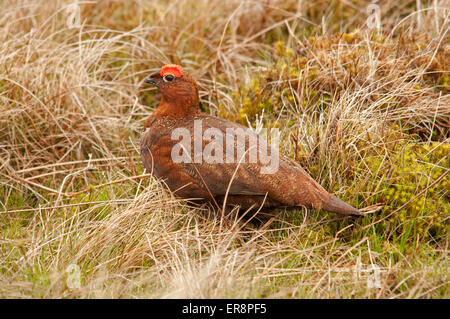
(73, 192)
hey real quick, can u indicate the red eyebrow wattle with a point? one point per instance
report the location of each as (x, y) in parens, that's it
(173, 69)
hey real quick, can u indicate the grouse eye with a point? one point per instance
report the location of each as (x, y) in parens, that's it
(168, 78)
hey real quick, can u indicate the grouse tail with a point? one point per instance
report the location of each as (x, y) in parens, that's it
(335, 205)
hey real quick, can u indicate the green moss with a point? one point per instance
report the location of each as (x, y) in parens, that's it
(414, 169)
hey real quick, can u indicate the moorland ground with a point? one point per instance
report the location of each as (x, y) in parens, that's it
(363, 106)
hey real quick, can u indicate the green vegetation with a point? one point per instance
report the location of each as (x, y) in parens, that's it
(365, 111)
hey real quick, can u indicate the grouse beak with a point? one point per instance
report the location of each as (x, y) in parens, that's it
(151, 79)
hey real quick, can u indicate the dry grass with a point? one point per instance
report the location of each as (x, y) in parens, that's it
(366, 112)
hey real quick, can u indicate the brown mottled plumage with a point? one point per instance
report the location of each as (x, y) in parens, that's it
(290, 186)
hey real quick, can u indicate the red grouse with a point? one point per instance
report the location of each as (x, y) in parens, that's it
(210, 166)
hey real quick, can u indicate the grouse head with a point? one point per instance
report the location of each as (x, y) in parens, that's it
(179, 91)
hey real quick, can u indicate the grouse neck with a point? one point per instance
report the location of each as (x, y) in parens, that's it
(176, 109)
